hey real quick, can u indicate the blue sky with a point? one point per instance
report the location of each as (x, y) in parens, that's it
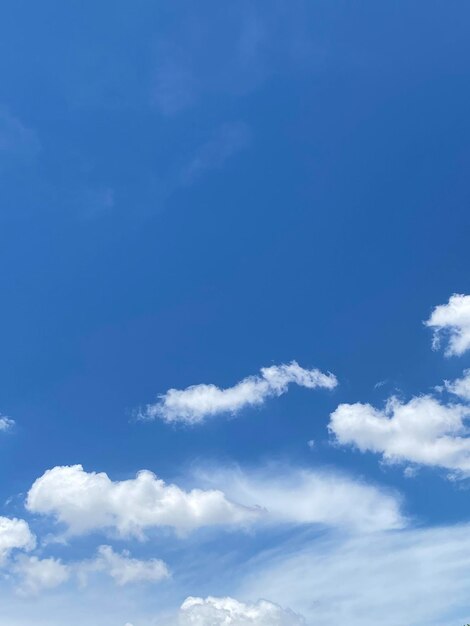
(264, 208)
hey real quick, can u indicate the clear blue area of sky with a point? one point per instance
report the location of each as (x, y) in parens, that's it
(191, 191)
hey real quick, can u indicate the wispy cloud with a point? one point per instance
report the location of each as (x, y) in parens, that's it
(197, 402)
(16, 139)
(325, 578)
(226, 141)
(175, 85)
(460, 387)
(302, 496)
(231, 55)
(6, 423)
(414, 576)
(201, 59)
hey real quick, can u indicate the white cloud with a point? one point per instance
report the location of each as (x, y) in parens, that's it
(38, 574)
(6, 423)
(14, 534)
(414, 576)
(193, 404)
(88, 501)
(301, 496)
(422, 431)
(35, 574)
(461, 386)
(453, 321)
(123, 568)
(230, 612)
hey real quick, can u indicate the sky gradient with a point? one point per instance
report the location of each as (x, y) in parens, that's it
(235, 321)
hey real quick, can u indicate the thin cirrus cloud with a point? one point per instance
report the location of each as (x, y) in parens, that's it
(358, 579)
(198, 402)
(451, 321)
(225, 142)
(300, 496)
(322, 577)
(232, 56)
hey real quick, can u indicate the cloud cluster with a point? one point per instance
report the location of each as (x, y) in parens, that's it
(34, 574)
(327, 578)
(228, 611)
(88, 501)
(423, 431)
(197, 402)
(452, 321)
(426, 430)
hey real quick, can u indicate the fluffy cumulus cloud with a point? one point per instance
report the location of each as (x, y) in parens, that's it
(14, 534)
(300, 496)
(460, 387)
(423, 431)
(230, 612)
(33, 575)
(124, 569)
(88, 501)
(37, 574)
(6, 423)
(452, 322)
(194, 404)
